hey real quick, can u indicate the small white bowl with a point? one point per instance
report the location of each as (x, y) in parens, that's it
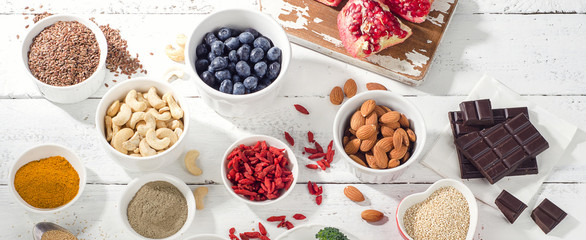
(413, 199)
(207, 237)
(235, 105)
(308, 231)
(137, 183)
(397, 103)
(150, 163)
(44, 151)
(74, 93)
(271, 141)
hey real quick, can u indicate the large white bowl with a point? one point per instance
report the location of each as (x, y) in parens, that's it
(150, 163)
(234, 105)
(137, 183)
(395, 102)
(73, 93)
(271, 141)
(413, 199)
(45, 151)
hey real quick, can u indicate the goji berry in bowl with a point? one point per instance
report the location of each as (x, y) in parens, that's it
(259, 170)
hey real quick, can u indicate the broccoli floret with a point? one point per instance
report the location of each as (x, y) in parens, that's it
(330, 233)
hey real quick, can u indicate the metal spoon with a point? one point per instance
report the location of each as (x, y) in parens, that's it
(40, 228)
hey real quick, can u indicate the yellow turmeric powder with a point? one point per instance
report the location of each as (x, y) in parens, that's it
(47, 183)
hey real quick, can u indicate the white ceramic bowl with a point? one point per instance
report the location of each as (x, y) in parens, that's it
(73, 93)
(397, 103)
(308, 231)
(207, 237)
(151, 163)
(234, 105)
(137, 183)
(413, 199)
(45, 151)
(271, 141)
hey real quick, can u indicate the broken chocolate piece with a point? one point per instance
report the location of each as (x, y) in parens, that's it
(510, 206)
(547, 215)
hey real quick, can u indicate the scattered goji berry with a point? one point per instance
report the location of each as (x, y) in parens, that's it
(232, 230)
(299, 216)
(311, 166)
(264, 238)
(310, 188)
(276, 218)
(316, 155)
(289, 225)
(318, 200)
(262, 229)
(301, 109)
(310, 150)
(252, 234)
(289, 139)
(310, 137)
(319, 148)
(321, 165)
(244, 237)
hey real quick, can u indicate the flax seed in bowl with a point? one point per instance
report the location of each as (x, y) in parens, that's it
(65, 56)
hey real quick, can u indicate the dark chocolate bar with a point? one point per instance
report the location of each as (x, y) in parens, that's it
(509, 205)
(547, 215)
(467, 170)
(499, 150)
(477, 112)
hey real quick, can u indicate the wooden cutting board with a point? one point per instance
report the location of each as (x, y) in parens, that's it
(313, 25)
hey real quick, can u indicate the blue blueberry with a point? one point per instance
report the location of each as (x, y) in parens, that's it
(260, 87)
(225, 33)
(244, 52)
(232, 56)
(243, 69)
(273, 54)
(208, 78)
(222, 75)
(254, 33)
(201, 65)
(256, 55)
(250, 82)
(232, 67)
(260, 69)
(218, 63)
(226, 86)
(266, 81)
(218, 48)
(211, 56)
(263, 43)
(236, 78)
(246, 37)
(232, 43)
(238, 89)
(274, 70)
(201, 51)
(210, 38)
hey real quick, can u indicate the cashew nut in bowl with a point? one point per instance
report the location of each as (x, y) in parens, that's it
(178, 132)
(120, 137)
(115, 129)
(132, 101)
(154, 99)
(145, 149)
(164, 109)
(176, 111)
(132, 143)
(142, 98)
(108, 124)
(161, 124)
(165, 132)
(123, 115)
(151, 123)
(113, 108)
(135, 155)
(156, 143)
(159, 116)
(175, 124)
(135, 118)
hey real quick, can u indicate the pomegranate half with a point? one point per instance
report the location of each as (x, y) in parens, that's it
(367, 27)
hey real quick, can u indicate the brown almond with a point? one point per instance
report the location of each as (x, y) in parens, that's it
(393, 163)
(405, 138)
(372, 119)
(367, 144)
(385, 144)
(411, 135)
(345, 140)
(386, 131)
(398, 153)
(352, 131)
(379, 110)
(371, 215)
(367, 107)
(380, 157)
(357, 120)
(358, 160)
(365, 132)
(398, 137)
(353, 194)
(371, 161)
(407, 156)
(375, 86)
(386, 108)
(352, 146)
(350, 88)
(404, 121)
(389, 117)
(336, 95)
(393, 125)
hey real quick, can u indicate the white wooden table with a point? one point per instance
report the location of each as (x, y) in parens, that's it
(533, 46)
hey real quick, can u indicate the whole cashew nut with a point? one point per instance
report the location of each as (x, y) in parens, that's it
(191, 162)
(115, 129)
(132, 143)
(135, 118)
(165, 132)
(175, 54)
(175, 124)
(123, 115)
(132, 101)
(199, 195)
(135, 155)
(151, 123)
(145, 149)
(164, 109)
(159, 116)
(108, 126)
(161, 124)
(176, 111)
(154, 99)
(156, 143)
(120, 137)
(113, 108)
(178, 132)
(181, 40)
(141, 98)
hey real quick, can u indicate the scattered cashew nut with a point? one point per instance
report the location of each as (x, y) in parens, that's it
(113, 108)
(175, 54)
(145, 149)
(176, 111)
(120, 137)
(132, 101)
(132, 143)
(181, 40)
(123, 115)
(190, 162)
(156, 143)
(154, 99)
(199, 194)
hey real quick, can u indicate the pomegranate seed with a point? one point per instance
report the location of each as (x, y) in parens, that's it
(262, 229)
(301, 109)
(299, 216)
(310, 137)
(312, 166)
(276, 218)
(289, 139)
(318, 200)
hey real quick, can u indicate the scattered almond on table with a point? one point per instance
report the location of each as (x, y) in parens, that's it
(372, 215)
(353, 194)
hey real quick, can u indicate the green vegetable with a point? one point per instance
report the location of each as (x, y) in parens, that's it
(330, 233)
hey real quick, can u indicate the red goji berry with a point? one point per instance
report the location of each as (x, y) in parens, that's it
(233, 237)
(252, 234)
(244, 237)
(330, 145)
(262, 229)
(232, 230)
(310, 150)
(321, 165)
(301, 109)
(310, 188)
(318, 200)
(264, 238)
(299, 216)
(289, 139)
(289, 225)
(276, 218)
(315, 188)
(311, 166)
(319, 148)
(310, 137)
(316, 155)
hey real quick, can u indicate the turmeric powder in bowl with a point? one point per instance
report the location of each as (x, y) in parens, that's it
(47, 183)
